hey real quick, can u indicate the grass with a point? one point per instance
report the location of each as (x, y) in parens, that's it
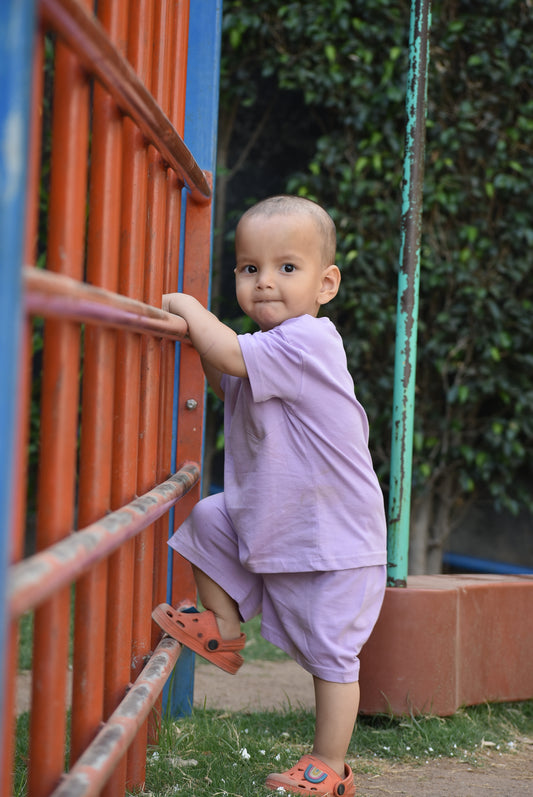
(215, 753)
(258, 648)
(26, 641)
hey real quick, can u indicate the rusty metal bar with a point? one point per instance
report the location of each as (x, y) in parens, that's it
(82, 32)
(59, 296)
(33, 580)
(97, 764)
(408, 281)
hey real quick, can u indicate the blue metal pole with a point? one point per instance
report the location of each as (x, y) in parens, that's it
(201, 125)
(17, 19)
(407, 311)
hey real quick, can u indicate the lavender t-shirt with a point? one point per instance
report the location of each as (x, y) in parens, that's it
(299, 485)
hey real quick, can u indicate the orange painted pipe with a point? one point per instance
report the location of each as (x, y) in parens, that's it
(178, 79)
(96, 767)
(34, 579)
(59, 415)
(192, 382)
(150, 382)
(127, 384)
(58, 296)
(97, 399)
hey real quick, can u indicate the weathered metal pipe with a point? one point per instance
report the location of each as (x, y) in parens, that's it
(98, 762)
(407, 312)
(33, 580)
(58, 296)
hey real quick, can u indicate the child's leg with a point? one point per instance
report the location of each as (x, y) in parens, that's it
(336, 713)
(224, 608)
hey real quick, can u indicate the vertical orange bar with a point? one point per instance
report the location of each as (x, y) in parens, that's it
(127, 385)
(97, 398)
(150, 383)
(20, 481)
(180, 29)
(59, 416)
(192, 383)
(177, 107)
(178, 56)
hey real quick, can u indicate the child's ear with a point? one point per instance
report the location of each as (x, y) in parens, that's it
(331, 279)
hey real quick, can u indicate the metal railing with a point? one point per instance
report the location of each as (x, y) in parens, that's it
(111, 420)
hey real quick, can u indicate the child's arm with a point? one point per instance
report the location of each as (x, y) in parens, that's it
(215, 342)
(213, 376)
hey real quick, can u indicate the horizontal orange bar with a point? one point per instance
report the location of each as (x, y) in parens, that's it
(83, 33)
(92, 770)
(38, 577)
(55, 295)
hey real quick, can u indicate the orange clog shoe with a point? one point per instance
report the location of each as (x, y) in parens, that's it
(313, 778)
(199, 632)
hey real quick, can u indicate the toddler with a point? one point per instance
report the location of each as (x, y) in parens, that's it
(299, 532)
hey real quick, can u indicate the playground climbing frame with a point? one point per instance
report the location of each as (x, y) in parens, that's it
(120, 417)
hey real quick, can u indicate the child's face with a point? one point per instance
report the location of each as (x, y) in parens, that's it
(279, 272)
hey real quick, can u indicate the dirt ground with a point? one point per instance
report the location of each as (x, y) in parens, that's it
(272, 685)
(275, 685)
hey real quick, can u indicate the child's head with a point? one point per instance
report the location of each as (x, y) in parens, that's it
(285, 252)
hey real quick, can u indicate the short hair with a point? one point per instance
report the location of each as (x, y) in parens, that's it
(286, 204)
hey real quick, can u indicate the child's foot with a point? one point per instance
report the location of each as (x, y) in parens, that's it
(313, 778)
(199, 632)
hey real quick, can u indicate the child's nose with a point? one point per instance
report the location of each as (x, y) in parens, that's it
(264, 279)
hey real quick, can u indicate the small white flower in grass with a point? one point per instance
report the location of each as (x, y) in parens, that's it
(155, 756)
(277, 758)
(245, 754)
(281, 790)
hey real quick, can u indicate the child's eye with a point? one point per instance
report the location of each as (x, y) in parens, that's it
(288, 268)
(249, 269)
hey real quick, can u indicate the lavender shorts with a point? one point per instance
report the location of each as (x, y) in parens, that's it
(321, 619)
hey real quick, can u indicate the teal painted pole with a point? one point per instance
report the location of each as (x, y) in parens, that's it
(407, 311)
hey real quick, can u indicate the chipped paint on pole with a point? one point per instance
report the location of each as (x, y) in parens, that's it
(407, 311)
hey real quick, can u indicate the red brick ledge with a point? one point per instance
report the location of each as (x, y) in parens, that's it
(447, 641)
